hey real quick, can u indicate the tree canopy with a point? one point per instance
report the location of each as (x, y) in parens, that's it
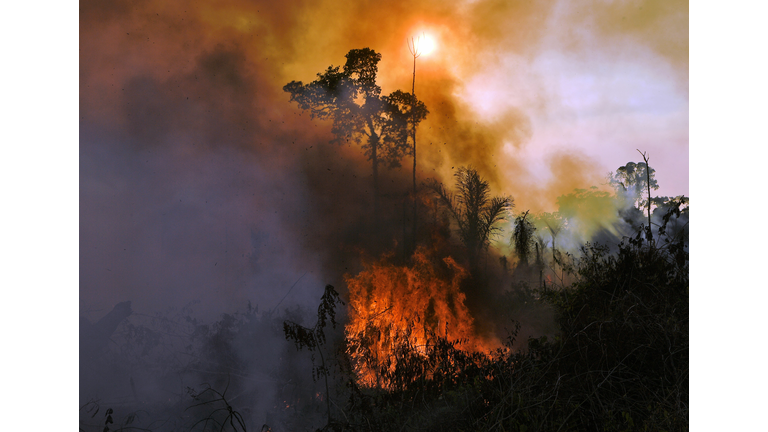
(631, 181)
(352, 100)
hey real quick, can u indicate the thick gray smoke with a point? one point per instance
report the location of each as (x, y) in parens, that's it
(216, 221)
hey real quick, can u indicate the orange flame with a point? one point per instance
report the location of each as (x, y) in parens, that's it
(394, 305)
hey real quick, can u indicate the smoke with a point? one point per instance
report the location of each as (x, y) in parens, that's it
(201, 184)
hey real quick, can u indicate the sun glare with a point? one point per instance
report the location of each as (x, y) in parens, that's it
(426, 44)
(423, 44)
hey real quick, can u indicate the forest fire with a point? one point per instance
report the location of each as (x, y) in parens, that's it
(399, 311)
(373, 217)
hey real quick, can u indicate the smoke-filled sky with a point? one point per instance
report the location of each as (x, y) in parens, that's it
(200, 181)
(612, 51)
(543, 96)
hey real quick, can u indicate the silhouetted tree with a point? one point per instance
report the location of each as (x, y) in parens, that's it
(632, 181)
(523, 237)
(314, 337)
(474, 210)
(352, 100)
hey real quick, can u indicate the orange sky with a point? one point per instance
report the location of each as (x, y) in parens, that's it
(542, 97)
(200, 180)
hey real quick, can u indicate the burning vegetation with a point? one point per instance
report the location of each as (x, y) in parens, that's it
(444, 329)
(397, 310)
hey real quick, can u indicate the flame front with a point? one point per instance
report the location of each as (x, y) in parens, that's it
(392, 307)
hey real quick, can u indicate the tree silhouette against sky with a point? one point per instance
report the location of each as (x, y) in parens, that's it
(352, 100)
(475, 211)
(632, 181)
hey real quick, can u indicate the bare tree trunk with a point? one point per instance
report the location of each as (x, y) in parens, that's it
(374, 140)
(413, 123)
(648, 182)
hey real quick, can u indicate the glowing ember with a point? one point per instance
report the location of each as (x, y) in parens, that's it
(392, 307)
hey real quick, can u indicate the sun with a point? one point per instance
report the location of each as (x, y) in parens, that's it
(422, 44)
(426, 44)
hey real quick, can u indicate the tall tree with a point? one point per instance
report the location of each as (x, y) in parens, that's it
(523, 237)
(352, 100)
(633, 180)
(474, 210)
(413, 47)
